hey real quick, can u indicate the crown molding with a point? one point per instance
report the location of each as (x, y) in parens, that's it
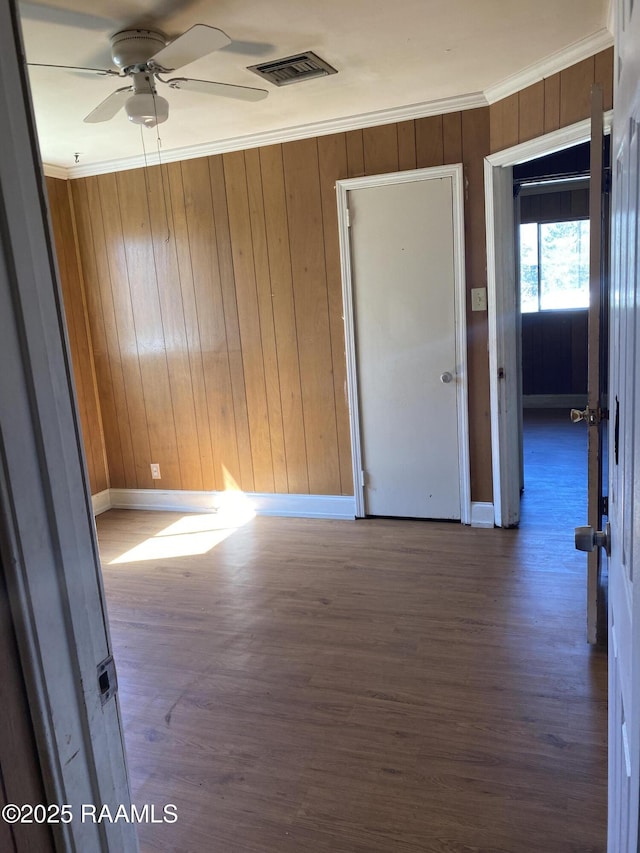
(52, 171)
(553, 63)
(558, 61)
(290, 134)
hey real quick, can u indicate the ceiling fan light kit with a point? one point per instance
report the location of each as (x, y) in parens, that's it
(147, 108)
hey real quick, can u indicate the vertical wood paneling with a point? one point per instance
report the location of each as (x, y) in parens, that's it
(231, 321)
(475, 147)
(452, 137)
(304, 209)
(171, 306)
(248, 319)
(332, 158)
(355, 153)
(148, 327)
(552, 103)
(267, 326)
(106, 310)
(277, 228)
(406, 145)
(575, 91)
(105, 362)
(604, 76)
(557, 101)
(380, 149)
(81, 350)
(429, 142)
(505, 120)
(531, 112)
(215, 299)
(208, 326)
(192, 339)
(109, 203)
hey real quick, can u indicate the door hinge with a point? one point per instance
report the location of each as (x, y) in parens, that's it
(107, 679)
(363, 478)
(348, 217)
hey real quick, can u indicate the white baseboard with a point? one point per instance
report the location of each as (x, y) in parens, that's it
(304, 506)
(295, 506)
(101, 501)
(292, 506)
(554, 401)
(482, 514)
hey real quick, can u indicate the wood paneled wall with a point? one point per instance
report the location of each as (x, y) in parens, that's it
(558, 101)
(213, 292)
(214, 295)
(554, 352)
(71, 280)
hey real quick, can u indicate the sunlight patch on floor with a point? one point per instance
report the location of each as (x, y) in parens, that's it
(195, 533)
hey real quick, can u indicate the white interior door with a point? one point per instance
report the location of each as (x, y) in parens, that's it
(403, 251)
(624, 446)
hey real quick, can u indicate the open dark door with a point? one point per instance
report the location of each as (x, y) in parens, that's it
(596, 414)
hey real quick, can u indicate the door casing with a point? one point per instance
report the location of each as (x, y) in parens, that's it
(455, 173)
(502, 308)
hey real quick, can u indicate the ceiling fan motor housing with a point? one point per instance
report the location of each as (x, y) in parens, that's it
(134, 47)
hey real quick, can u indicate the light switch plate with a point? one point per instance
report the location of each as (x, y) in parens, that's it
(479, 299)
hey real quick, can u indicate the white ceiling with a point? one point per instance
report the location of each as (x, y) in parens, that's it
(389, 55)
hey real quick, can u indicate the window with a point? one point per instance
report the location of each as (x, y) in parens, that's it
(554, 265)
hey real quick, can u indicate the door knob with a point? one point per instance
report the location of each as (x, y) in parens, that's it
(588, 539)
(446, 377)
(579, 415)
(591, 416)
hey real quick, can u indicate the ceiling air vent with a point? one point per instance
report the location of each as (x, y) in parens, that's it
(293, 69)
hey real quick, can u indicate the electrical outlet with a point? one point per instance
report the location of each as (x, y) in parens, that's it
(479, 299)
(155, 471)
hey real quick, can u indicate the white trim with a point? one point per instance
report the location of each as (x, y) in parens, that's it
(482, 514)
(294, 506)
(611, 18)
(52, 171)
(551, 64)
(534, 73)
(501, 304)
(353, 394)
(287, 134)
(557, 140)
(101, 502)
(455, 172)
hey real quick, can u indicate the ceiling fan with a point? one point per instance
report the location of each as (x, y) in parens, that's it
(143, 55)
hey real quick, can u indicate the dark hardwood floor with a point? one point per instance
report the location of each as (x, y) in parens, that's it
(376, 686)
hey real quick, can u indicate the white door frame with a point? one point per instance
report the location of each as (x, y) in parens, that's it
(502, 309)
(342, 189)
(47, 536)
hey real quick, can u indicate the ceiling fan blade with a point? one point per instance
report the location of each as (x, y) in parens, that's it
(250, 48)
(101, 71)
(227, 90)
(109, 107)
(195, 43)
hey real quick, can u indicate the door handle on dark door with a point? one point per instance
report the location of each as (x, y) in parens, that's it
(578, 415)
(588, 539)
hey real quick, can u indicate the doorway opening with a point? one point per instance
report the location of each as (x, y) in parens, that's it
(552, 240)
(551, 217)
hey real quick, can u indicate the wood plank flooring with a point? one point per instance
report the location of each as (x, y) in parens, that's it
(377, 686)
